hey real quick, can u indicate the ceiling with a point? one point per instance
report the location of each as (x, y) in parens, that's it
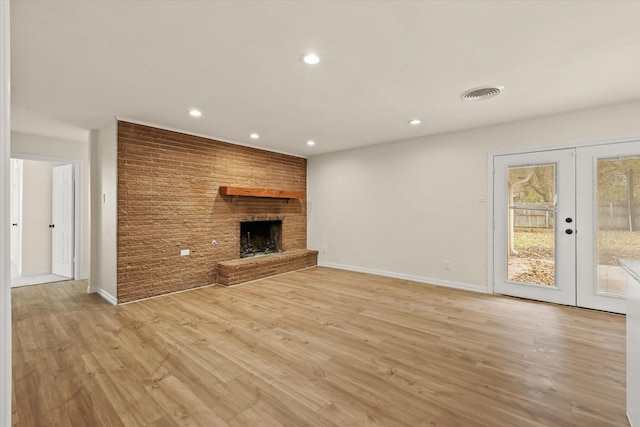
(78, 64)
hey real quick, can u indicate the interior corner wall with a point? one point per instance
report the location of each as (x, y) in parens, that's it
(46, 147)
(104, 217)
(404, 208)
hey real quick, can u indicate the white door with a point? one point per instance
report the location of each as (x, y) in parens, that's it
(562, 219)
(608, 186)
(62, 221)
(534, 218)
(16, 218)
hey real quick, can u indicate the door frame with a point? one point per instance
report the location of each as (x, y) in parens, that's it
(587, 295)
(62, 220)
(564, 289)
(490, 195)
(16, 246)
(77, 201)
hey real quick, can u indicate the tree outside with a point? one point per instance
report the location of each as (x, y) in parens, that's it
(531, 232)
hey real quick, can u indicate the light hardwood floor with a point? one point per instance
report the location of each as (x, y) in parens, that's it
(318, 347)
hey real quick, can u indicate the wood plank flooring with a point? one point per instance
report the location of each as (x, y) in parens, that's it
(317, 347)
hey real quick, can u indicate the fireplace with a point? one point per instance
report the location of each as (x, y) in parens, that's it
(259, 238)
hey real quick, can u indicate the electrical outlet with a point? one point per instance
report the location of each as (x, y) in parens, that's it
(447, 265)
(324, 249)
(185, 252)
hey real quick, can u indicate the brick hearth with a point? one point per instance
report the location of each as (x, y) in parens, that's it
(238, 271)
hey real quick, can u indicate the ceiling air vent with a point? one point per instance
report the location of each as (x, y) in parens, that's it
(482, 93)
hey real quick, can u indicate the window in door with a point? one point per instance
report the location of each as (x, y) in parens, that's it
(618, 213)
(531, 224)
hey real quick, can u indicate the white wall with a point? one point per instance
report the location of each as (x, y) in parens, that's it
(47, 147)
(36, 217)
(403, 208)
(5, 276)
(104, 208)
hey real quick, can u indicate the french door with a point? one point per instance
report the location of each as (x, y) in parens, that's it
(561, 220)
(535, 218)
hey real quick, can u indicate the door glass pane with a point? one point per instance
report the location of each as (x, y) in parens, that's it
(618, 201)
(531, 224)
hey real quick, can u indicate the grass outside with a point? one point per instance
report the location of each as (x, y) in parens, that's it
(535, 250)
(616, 244)
(535, 256)
(538, 243)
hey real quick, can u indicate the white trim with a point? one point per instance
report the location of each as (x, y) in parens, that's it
(104, 294)
(77, 209)
(39, 158)
(562, 147)
(39, 273)
(491, 219)
(202, 135)
(5, 268)
(419, 279)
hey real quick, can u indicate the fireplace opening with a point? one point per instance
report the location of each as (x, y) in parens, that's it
(260, 238)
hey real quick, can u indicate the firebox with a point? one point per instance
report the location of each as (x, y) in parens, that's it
(260, 238)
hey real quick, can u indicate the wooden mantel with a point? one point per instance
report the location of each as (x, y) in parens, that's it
(260, 192)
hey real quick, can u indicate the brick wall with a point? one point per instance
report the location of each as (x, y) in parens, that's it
(168, 200)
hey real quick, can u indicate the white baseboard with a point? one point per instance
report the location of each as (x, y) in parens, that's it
(105, 295)
(45, 273)
(419, 279)
(37, 273)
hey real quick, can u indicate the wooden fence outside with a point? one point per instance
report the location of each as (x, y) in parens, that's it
(611, 216)
(615, 216)
(533, 219)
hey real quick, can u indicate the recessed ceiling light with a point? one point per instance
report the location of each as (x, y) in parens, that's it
(254, 136)
(195, 113)
(415, 121)
(310, 143)
(311, 58)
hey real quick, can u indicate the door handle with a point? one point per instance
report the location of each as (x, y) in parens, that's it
(15, 224)
(52, 226)
(568, 231)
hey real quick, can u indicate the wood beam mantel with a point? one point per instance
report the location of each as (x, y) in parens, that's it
(260, 192)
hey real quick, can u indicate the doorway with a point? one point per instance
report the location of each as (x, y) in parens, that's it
(561, 220)
(43, 226)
